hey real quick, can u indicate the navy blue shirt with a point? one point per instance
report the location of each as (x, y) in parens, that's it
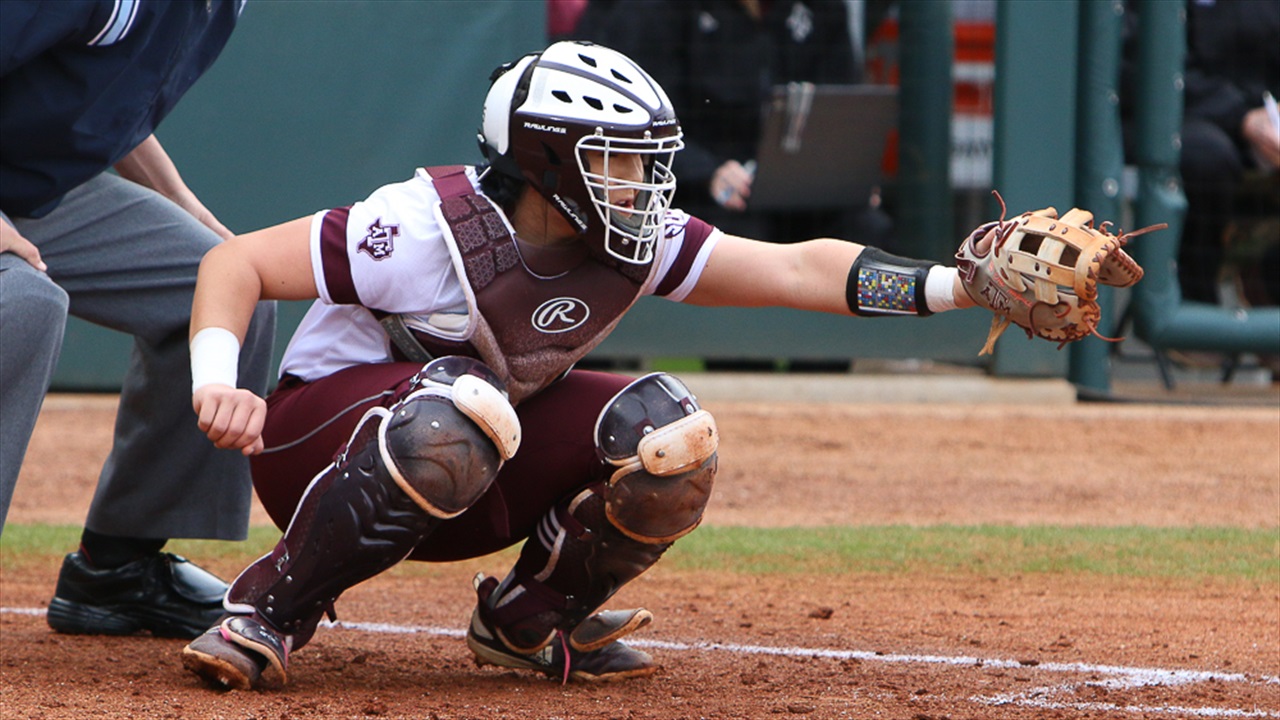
(83, 82)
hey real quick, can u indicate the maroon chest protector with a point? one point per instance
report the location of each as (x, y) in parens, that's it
(535, 311)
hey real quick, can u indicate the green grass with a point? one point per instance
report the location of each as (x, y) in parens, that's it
(1140, 552)
(43, 541)
(986, 550)
(675, 365)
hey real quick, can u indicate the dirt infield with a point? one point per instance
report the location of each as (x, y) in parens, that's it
(910, 646)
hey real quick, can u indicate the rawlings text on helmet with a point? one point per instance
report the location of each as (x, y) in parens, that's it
(546, 128)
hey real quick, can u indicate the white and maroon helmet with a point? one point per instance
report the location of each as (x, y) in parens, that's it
(546, 110)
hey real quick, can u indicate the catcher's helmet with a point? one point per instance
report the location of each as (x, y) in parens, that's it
(545, 111)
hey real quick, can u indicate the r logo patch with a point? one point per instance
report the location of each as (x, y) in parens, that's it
(560, 314)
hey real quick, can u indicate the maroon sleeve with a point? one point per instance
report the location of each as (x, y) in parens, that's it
(333, 257)
(695, 233)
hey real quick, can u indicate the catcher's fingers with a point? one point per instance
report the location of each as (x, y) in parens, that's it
(246, 419)
(215, 417)
(237, 426)
(983, 236)
(254, 449)
(231, 418)
(234, 427)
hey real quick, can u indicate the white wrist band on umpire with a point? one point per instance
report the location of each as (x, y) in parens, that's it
(940, 288)
(215, 358)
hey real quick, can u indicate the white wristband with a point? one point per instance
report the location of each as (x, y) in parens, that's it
(940, 288)
(215, 358)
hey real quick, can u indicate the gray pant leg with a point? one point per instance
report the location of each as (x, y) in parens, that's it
(128, 259)
(33, 314)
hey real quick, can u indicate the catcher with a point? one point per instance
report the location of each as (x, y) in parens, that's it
(428, 407)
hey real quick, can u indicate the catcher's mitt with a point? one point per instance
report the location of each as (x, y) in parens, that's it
(1041, 272)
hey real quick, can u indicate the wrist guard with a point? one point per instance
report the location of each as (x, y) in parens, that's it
(883, 284)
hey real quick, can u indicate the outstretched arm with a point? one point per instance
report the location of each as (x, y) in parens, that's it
(810, 275)
(271, 264)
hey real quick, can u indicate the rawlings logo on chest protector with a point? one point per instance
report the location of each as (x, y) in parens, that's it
(530, 328)
(560, 314)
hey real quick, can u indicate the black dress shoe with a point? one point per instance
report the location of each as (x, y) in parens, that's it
(164, 594)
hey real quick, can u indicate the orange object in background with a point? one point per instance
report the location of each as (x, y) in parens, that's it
(973, 96)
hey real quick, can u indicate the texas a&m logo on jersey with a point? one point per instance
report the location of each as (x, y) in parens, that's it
(560, 314)
(379, 242)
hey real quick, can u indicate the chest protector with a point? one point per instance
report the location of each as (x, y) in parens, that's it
(529, 325)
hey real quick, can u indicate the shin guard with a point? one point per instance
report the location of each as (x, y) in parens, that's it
(405, 470)
(663, 447)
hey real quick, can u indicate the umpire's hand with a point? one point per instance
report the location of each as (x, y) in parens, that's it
(12, 241)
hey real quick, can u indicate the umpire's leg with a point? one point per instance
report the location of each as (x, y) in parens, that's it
(128, 259)
(33, 313)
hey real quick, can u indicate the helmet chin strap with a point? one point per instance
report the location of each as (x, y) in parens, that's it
(533, 217)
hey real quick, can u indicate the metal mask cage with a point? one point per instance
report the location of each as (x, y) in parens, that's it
(630, 232)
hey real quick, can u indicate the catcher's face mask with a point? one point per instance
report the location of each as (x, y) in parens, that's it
(631, 185)
(546, 112)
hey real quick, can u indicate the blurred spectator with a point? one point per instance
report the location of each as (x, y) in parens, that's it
(1230, 154)
(1233, 62)
(718, 61)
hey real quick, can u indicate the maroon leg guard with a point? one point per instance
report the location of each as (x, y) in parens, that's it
(405, 470)
(353, 523)
(664, 449)
(575, 564)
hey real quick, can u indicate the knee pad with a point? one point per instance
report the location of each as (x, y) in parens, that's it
(444, 443)
(405, 470)
(663, 446)
(352, 523)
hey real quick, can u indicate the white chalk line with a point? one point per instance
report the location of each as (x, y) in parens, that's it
(1031, 699)
(1119, 677)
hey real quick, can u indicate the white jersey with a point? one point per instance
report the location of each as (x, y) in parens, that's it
(389, 253)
